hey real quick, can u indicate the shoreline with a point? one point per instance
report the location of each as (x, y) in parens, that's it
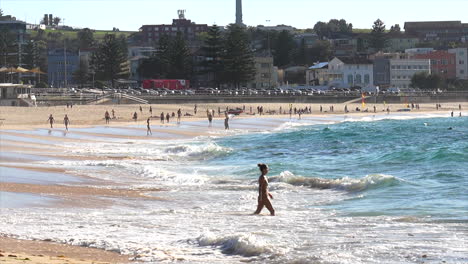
(91, 195)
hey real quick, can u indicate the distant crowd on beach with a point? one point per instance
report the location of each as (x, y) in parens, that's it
(165, 117)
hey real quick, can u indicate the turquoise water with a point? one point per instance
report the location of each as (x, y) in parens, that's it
(416, 167)
(371, 191)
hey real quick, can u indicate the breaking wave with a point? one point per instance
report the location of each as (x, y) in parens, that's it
(348, 184)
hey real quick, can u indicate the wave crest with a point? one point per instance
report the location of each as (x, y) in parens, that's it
(242, 244)
(345, 183)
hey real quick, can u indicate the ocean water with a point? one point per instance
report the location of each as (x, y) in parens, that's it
(385, 189)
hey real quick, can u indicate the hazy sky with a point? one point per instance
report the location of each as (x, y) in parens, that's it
(132, 14)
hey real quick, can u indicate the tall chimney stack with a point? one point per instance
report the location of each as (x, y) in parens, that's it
(239, 12)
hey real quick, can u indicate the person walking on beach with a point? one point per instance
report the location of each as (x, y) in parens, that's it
(179, 115)
(162, 117)
(168, 116)
(263, 194)
(151, 111)
(148, 128)
(113, 113)
(210, 117)
(226, 121)
(195, 109)
(51, 121)
(107, 117)
(141, 109)
(135, 116)
(66, 121)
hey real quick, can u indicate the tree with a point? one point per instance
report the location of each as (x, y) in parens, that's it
(110, 60)
(283, 47)
(333, 26)
(179, 59)
(8, 45)
(395, 29)
(425, 81)
(213, 51)
(238, 58)
(85, 38)
(81, 76)
(378, 39)
(57, 21)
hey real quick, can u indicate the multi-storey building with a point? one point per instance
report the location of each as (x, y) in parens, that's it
(442, 63)
(61, 66)
(15, 30)
(351, 72)
(152, 33)
(401, 42)
(446, 31)
(317, 74)
(461, 60)
(402, 70)
(265, 73)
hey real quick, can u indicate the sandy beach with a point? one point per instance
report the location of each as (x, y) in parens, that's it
(26, 140)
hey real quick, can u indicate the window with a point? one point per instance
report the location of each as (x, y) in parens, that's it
(149, 29)
(358, 78)
(350, 79)
(398, 67)
(461, 62)
(156, 29)
(367, 79)
(265, 65)
(393, 67)
(174, 28)
(166, 28)
(462, 71)
(433, 62)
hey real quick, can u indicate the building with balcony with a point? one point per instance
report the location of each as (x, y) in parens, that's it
(265, 73)
(443, 63)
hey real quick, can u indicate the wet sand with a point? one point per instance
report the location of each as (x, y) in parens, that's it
(42, 252)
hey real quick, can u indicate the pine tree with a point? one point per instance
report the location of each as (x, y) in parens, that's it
(238, 57)
(110, 60)
(213, 51)
(378, 39)
(179, 59)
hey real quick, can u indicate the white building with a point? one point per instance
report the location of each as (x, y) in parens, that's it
(461, 57)
(351, 72)
(402, 70)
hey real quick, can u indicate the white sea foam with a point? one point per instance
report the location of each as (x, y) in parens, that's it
(240, 244)
(345, 183)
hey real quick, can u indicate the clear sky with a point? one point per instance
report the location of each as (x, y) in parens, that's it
(132, 14)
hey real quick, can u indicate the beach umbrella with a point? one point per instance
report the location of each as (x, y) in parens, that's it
(37, 70)
(21, 70)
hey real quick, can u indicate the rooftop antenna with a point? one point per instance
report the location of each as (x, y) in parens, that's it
(181, 13)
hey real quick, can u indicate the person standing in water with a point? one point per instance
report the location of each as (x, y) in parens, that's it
(66, 121)
(148, 128)
(263, 194)
(226, 121)
(51, 121)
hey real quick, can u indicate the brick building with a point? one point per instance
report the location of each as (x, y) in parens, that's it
(152, 33)
(443, 63)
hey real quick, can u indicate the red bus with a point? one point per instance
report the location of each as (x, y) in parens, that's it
(166, 83)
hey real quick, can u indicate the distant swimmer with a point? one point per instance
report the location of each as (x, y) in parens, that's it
(148, 128)
(263, 194)
(450, 128)
(51, 121)
(459, 114)
(66, 122)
